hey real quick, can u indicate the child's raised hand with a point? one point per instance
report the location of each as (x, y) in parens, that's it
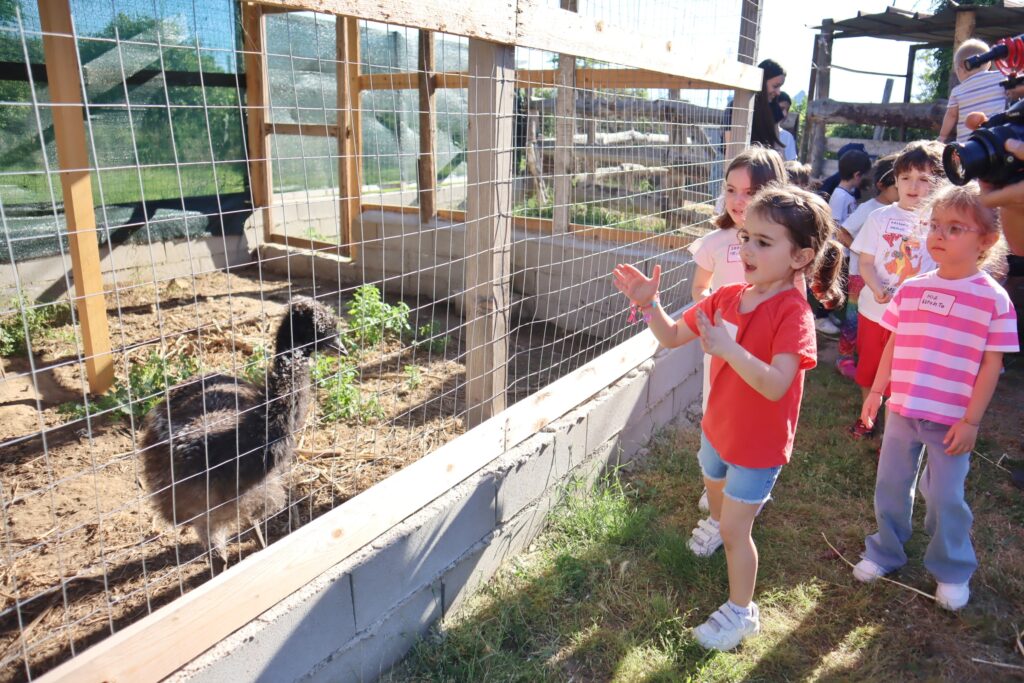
(869, 411)
(960, 438)
(638, 287)
(883, 298)
(714, 338)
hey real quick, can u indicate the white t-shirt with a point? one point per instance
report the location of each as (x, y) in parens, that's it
(895, 237)
(719, 252)
(842, 203)
(788, 145)
(853, 225)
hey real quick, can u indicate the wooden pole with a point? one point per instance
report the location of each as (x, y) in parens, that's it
(426, 165)
(346, 31)
(966, 20)
(817, 131)
(909, 85)
(256, 91)
(62, 73)
(805, 141)
(490, 155)
(886, 96)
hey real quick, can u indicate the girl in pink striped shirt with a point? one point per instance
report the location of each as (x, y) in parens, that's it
(950, 328)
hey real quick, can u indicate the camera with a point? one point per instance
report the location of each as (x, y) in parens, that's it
(984, 155)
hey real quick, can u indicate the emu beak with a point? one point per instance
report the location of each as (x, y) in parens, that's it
(335, 344)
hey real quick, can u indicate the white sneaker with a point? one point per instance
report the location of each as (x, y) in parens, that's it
(952, 596)
(867, 571)
(826, 326)
(725, 629)
(705, 539)
(703, 504)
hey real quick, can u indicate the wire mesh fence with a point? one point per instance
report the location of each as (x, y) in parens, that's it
(288, 259)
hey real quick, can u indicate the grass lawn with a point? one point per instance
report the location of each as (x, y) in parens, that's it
(610, 592)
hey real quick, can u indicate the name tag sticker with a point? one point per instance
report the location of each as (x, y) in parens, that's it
(937, 302)
(733, 255)
(900, 225)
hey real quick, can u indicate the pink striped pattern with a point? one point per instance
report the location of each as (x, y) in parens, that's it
(943, 329)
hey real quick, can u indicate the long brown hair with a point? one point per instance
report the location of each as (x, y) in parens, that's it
(810, 225)
(765, 167)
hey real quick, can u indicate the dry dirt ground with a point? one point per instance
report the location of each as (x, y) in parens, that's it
(83, 555)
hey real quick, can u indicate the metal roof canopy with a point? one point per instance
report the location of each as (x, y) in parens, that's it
(933, 30)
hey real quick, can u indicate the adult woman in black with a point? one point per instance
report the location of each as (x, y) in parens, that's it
(762, 130)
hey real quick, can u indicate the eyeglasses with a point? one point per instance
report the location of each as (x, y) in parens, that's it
(950, 232)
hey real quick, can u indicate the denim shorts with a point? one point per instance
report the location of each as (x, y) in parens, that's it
(751, 485)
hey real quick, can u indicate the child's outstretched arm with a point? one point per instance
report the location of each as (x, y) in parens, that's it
(643, 291)
(771, 380)
(962, 436)
(867, 271)
(949, 123)
(873, 402)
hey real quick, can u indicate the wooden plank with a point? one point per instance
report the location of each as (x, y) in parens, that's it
(156, 646)
(490, 158)
(805, 141)
(425, 166)
(68, 112)
(346, 32)
(549, 28)
(532, 78)
(493, 20)
(886, 96)
(873, 147)
(918, 115)
(318, 129)
(256, 91)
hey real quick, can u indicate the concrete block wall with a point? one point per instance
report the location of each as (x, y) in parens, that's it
(358, 619)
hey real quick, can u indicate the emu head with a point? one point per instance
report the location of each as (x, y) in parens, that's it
(307, 327)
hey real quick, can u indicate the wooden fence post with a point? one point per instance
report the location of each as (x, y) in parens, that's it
(487, 294)
(565, 130)
(62, 73)
(346, 32)
(426, 165)
(256, 113)
(817, 129)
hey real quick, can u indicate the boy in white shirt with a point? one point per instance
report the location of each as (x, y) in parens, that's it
(891, 249)
(885, 185)
(853, 166)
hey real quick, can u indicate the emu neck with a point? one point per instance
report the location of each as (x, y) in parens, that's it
(288, 397)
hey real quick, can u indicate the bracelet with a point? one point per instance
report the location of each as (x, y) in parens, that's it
(966, 421)
(638, 312)
(872, 391)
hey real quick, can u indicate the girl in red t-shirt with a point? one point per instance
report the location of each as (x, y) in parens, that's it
(761, 335)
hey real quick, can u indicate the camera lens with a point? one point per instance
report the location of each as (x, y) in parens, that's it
(953, 164)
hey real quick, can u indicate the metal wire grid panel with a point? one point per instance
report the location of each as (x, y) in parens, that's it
(600, 168)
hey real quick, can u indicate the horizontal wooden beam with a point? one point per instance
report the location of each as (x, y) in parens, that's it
(549, 28)
(319, 129)
(924, 115)
(494, 20)
(530, 23)
(159, 644)
(586, 78)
